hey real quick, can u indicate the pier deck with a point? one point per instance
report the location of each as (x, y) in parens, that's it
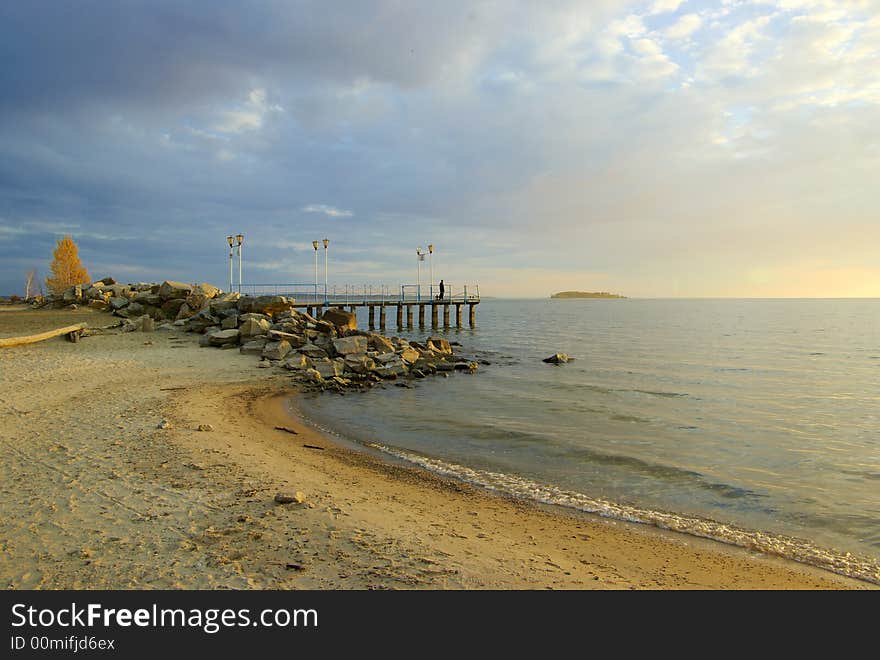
(314, 299)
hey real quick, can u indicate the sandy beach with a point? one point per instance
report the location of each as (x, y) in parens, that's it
(95, 496)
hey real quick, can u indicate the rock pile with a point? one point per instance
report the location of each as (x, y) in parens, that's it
(325, 353)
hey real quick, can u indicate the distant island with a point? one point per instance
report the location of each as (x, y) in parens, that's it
(586, 294)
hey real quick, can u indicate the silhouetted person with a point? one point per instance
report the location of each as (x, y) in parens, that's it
(442, 290)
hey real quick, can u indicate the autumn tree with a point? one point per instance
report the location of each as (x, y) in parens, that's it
(67, 270)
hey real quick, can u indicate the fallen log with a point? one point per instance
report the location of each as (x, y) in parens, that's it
(70, 330)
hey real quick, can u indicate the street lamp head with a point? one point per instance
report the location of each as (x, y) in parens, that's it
(419, 250)
(315, 245)
(230, 240)
(240, 239)
(326, 243)
(431, 248)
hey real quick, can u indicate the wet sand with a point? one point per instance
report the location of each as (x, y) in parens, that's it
(94, 495)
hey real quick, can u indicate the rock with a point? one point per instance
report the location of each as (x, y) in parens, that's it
(439, 345)
(117, 303)
(201, 321)
(312, 351)
(171, 307)
(359, 363)
(164, 424)
(147, 324)
(294, 340)
(329, 368)
(229, 323)
(100, 305)
(380, 344)
(276, 350)
(340, 319)
(557, 358)
(208, 290)
(224, 337)
(296, 362)
(409, 355)
(313, 375)
(325, 327)
(389, 358)
(184, 312)
(107, 281)
(269, 305)
(253, 347)
(198, 301)
(73, 294)
(264, 364)
(470, 367)
(205, 427)
(392, 370)
(444, 366)
(170, 289)
(252, 327)
(348, 345)
(147, 298)
(289, 497)
(131, 310)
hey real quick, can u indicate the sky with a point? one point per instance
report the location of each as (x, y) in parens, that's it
(652, 148)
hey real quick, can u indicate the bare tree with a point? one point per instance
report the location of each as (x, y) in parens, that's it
(29, 279)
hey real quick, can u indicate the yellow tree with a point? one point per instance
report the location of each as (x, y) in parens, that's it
(67, 270)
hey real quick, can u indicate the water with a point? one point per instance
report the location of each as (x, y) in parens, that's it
(750, 421)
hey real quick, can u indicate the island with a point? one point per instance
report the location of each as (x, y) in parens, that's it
(586, 294)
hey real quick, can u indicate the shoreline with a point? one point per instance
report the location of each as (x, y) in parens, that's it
(96, 496)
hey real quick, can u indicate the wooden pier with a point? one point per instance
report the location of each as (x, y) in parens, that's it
(407, 300)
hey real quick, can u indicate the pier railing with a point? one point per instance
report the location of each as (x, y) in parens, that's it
(365, 294)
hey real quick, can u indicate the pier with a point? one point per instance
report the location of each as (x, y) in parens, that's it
(407, 299)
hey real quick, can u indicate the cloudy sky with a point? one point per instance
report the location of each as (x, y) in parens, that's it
(652, 148)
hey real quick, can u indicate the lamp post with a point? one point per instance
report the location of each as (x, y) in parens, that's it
(326, 245)
(420, 257)
(240, 239)
(231, 241)
(431, 265)
(315, 245)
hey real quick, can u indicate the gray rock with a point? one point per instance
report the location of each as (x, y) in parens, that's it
(224, 337)
(253, 347)
(348, 345)
(117, 303)
(297, 363)
(439, 345)
(294, 340)
(170, 289)
(557, 358)
(252, 327)
(312, 351)
(380, 344)
(229, 323)
(359, 363)
(276, 350)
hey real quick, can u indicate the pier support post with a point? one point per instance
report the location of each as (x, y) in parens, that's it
(472, 315)
(458, 315)
(433, 315)
(446, 315)
(309, 310)
(371, 316)
(421, 316)
(409, 316)
(400, 316)
(382, 317)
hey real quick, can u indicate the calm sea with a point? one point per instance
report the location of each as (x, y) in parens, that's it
(751, 421)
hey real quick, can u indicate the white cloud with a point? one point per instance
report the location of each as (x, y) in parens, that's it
(331, 211)
(684, 27)
(665, 6)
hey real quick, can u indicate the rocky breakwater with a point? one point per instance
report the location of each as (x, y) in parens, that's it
(329, 353)
(326, 353)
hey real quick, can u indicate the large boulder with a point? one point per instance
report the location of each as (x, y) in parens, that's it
(100, 305)
(312, 351)
(171, 289)
(108, 281)
(340, 319)
(253, 347)
(276, 350)
(171, 307)
(439, 345)
(380, 344)
(224, 337)
(73, 294)
(348, 345)
(293, 339)
(409, 355)
(269, 305)
(131, 310)
(254, 327)
(359, 363)
(117, 303)
(208, 290)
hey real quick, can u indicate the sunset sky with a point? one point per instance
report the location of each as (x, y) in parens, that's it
(659, 148)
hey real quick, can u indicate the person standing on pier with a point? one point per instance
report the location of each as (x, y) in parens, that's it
(442, 290)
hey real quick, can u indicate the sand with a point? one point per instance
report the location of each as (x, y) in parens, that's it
(95, 496)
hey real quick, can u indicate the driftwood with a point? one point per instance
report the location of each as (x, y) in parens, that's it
(72, 331)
